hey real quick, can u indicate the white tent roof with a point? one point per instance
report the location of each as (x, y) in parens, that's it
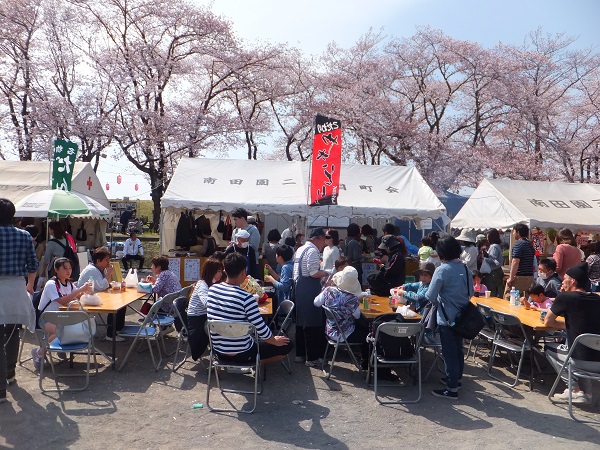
(504, 203)
(18, 179)
(281, 187)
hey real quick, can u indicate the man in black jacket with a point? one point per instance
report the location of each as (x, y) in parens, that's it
(394, 274)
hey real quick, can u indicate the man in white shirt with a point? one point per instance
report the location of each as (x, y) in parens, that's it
(133, 250)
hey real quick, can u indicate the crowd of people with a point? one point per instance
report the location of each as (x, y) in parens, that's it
(321, 270)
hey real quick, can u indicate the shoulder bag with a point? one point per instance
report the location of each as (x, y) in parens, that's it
(468, 322)
(77, 333)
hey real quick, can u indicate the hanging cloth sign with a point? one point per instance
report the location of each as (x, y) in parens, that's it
(326, 161)
(63, 161)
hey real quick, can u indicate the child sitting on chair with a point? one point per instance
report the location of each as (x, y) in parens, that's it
(478, 287)
(537, 299)
(414, 293)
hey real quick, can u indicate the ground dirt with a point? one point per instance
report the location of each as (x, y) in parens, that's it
(141, 408)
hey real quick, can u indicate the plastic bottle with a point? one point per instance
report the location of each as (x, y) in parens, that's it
(517, 298)
(513, 293)
(266, 273)
(91, 281)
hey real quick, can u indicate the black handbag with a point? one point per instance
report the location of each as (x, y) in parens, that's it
(221, 225)
(468, 322)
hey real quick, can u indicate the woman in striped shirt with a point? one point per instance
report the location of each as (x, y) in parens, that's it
(227, 301)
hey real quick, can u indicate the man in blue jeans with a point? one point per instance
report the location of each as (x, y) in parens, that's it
(451, 289)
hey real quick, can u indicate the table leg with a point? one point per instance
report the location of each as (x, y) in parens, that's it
(114, 341)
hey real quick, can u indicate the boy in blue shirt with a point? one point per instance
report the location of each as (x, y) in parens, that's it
(282, 282)
(414, 293)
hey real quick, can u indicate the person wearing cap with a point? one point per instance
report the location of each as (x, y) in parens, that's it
(242, 246)
(469, 253)
(522, 264)
(394, 273)
(240, 220)
(581, 310)
(310, 335)
(482, 246)
(593, 262)
(133, 250)
(414, 293)
(343, 297)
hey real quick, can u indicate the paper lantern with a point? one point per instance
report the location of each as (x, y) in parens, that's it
(107, 186)
(136, 186)
(118, 179)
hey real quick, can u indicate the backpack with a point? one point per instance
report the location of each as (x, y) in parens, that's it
(37, 296)
(389, 346)
(69, 253)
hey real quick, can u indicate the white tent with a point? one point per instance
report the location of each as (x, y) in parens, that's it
(504, 203)
(281, 187)
(18, 179)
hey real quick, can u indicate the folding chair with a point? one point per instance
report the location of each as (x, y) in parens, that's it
(433, 342)
(413, 331)
(164, 320)
(285, 308)
(182, 336)
(487, 334)
(510, 336)
(147, 331)
(64, 318)
(329, 314)
(232, 330)
(591, 341)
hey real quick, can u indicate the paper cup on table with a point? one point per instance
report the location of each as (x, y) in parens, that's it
(488, 294)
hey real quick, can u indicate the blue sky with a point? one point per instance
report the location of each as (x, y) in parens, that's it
(312, 24)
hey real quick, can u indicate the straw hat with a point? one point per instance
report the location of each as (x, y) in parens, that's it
(347, 281)
(466, 236)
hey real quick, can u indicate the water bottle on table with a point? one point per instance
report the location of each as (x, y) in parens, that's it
(513, 293)
(91, 282)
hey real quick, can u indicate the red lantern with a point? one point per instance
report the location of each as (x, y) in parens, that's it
(136, 186)
(118, 179)
(107, 186)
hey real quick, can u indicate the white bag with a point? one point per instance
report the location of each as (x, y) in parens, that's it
(78, 333)
(145, 288)
(91, 300)
(485, 267)
(131, 280)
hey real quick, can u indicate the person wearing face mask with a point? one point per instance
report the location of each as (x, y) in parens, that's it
(242, 246)
(212, 271)
(548, 278)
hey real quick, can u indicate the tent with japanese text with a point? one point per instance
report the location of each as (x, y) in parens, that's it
(281, 187)
(545, 204)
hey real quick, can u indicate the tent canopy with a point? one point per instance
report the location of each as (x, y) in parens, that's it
(18, 179)
(504, 203)
(281, 187)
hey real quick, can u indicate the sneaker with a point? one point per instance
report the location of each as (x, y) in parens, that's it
(318, 363)
(10, 377)
(299, 359)
(37, 359)
(385, 374)
(117, 338)
(3, 396)
(445, 393)
(443, 381)
(578, 397)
